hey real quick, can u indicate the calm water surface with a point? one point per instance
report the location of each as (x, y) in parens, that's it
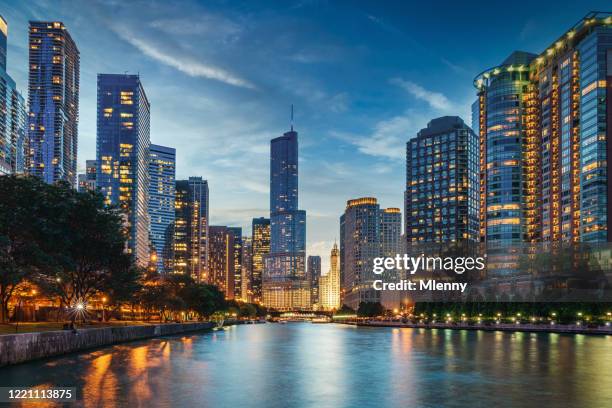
(328, 365)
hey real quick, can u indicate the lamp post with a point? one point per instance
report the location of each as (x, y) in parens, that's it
(103, 307)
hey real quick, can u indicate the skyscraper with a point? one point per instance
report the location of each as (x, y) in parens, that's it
(261, 248)
(12, 115)
(543, 136)
(87, 180)
(53, 100)
(329, 284)
(237, 232)
(221, 259)
(441, 200)
(162, 191)
(247, 270)
(191, 228)
(285, 285)
(122, 154)
(314, 273)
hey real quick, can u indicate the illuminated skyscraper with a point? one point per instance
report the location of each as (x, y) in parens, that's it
(122, 155)
(314, 273)
(12, 115)
(441, 199)
(191, 228)
(221, 259)
(543, 140)
(237, 233)
(261, 248)
(285, 284)
(329, 284)
(87, 180)
(162, 191)
(53, 100)
(246, 292)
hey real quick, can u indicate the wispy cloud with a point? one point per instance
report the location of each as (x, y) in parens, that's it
(435, 99)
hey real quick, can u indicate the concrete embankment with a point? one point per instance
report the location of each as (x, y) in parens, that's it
(19, 348)
(558, 328)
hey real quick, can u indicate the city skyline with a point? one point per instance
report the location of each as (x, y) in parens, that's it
(406, 91)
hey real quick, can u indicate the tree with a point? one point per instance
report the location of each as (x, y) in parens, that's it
(370, 309)
(345, 310)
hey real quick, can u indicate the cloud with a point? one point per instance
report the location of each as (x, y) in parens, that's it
(435, 99)
(184, 63)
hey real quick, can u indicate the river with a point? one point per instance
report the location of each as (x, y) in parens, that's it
(331, 365)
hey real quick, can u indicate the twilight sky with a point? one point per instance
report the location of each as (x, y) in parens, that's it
(221, 75)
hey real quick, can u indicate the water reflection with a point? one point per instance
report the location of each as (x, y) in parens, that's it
(303, 365)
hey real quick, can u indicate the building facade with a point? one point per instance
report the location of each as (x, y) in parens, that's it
(285, 285)
(441, 198)
(221, 259)
(191, 228)
(246, 288)
(122, 155)
(87, 180)
(329, 284)
(261, 248)
(53, 100)
(238, 242)
(313, 267)
(12, 115)
(162, 193)
(550, 183)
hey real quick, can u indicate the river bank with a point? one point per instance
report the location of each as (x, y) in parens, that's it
(532, 328)
(23, 347)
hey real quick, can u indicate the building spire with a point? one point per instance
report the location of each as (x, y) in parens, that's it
(292, 117)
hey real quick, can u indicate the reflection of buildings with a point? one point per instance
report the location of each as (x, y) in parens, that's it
(261, 247)
(329, 284)
(12, 115)
(237, 233)
(313, 268)
(285, 284)
(162, 171)
(53, 100)
(191, 228)
(441, 200)
(543, 140)
(123, 144)
(363, 235)
(221, 259)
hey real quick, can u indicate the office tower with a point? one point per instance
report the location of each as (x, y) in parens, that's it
(285, 284)
(12, 115)
(441, 199)
(237, 232)
(329, 284)
(359, 244)
(261, 248)
(221, 259)
(313, 267)
(543, 140)
(191, 228)
(162, 175)
(87, 180)
(246, 292)
(122, 154)
(53, 100)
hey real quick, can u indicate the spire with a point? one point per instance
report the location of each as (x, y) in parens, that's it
(292, 117)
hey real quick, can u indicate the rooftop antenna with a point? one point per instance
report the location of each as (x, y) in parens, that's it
(292, 117)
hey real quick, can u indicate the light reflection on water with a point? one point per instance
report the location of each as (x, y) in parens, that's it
(304, 365)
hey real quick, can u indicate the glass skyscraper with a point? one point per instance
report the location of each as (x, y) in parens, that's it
(285, 285)
(122, 152)
(162, 174)
(261, 248)
(12, 115)
(543, 124)
(237, 241)
(53, 100)
(313, 267)
(191, 228)
(441, 200)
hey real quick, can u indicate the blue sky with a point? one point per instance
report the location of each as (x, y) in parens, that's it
(221, 76)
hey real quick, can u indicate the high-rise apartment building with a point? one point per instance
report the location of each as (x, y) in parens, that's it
(122, 155)
(441, 198)
(246, 291)
(12, 115)
(285, 284)
(313, 267)
(329, 284)
(543, 132)
(53, 101)
(260, 236)
(162, 192)
(191, 228)
(87, 180)
(221, 259)
(237, 233)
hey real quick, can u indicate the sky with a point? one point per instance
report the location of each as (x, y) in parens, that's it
(221, 76)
